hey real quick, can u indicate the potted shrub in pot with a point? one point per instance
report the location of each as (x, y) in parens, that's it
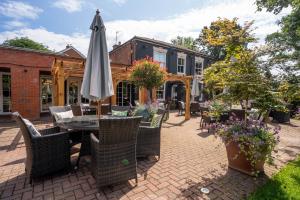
(248, 144)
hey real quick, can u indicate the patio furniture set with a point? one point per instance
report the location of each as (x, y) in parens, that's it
(114, 143)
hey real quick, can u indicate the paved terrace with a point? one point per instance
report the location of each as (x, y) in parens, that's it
(190, 159)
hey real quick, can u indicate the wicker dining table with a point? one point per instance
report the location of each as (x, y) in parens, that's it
(85, 125)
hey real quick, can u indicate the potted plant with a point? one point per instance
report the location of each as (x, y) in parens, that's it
(248, 144)
(148, 74)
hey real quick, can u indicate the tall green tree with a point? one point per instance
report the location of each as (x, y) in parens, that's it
(25, 42)
(238, 74)
(223, 36)
(186, 42)
(283, 46)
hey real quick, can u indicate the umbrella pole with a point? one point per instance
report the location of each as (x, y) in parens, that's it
(99, 108)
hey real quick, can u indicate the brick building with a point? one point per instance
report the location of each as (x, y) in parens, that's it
(175, 59)
(26, 81)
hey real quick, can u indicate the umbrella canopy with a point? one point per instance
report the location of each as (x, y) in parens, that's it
(97, 81)
(195, 88)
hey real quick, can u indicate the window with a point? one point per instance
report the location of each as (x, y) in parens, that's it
(160, 92)
(159, 55)
(181, 62)
(180, 66)
(46, 92)
(126, 93)
(198, 66)
(5, 92)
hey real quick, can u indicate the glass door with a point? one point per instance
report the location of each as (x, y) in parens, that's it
(5, 92)
(73, 92)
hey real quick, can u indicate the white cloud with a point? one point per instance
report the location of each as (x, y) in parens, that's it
(120, 2)
(18, 10)
(15, 24)
(69, 5)
(53, 40)
(187, 24)
(191, 22)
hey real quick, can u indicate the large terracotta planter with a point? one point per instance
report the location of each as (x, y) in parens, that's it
(238, 161)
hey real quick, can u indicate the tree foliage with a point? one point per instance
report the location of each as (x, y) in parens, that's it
(186, 42)
(238, 74)
(282, 48)
(147, 73)
(224, 36)
(25, 42)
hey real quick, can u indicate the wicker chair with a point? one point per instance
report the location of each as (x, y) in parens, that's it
(114, 153)
(206, 120)
(58, 109)
(148, 139)
(195, 107)
(75, 136)
(47, 153)
(76, 109)
(237, 114)
(120, 108)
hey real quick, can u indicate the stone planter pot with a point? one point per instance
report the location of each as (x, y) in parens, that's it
(237, 160)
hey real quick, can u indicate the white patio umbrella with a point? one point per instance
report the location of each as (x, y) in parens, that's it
(97, 80)
(195, 88)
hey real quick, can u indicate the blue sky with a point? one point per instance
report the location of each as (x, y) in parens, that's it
(58, 22)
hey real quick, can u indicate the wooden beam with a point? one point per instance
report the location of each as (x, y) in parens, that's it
(187, 113)
(61, 85)
(114, 97)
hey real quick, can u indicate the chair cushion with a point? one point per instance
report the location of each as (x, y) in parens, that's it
(155, 121)
(119, 113)
(63, 115)
(33, 131)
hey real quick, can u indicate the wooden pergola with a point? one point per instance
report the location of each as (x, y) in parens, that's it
(62, 69)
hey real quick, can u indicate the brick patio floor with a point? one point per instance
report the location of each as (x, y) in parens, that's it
(190, 159)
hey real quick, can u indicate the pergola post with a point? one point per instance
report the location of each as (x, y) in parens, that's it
(187, 113)
(61, 85)
(114, 97)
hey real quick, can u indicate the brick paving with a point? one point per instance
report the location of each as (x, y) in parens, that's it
(190, 159)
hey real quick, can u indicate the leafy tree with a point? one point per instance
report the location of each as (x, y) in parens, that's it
(238, 74)
(148, 74)
(186, 42)
(224, 36)
(283, 47)
(25, 42)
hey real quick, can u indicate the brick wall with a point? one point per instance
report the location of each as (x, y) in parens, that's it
(25, 70)
(122, 55)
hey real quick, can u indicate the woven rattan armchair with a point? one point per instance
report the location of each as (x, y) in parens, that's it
(195, 107)
(76, 109)
(58, 109)
(237, 114)
(148, 139)
(45, 153)
(114, 152)
(76, 137)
